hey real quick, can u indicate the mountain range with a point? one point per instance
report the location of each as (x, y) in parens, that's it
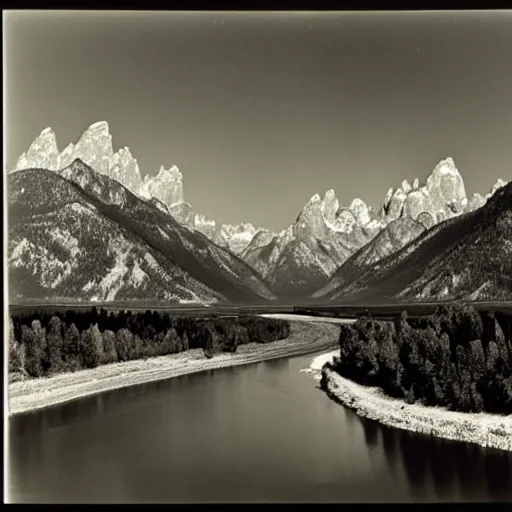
(95, 229)
(77, 233)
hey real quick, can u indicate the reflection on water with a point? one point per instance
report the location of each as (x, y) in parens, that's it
(262, 432)
(447, 469)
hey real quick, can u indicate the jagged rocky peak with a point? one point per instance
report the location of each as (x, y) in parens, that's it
(446, 186)
(204, 225)
(95, 147)
(417, 202)
(345, 220)
(66, 156)
(442, 196)
(330, 205)
(476, 201)
(499, 184)
(240, 228)
(406, 187)
(330, 195)
(387, 202)
(396, 204)
(315, 199)
(238, 237)
(167, 186)
(125, 169)
(360, 210)
(310, 221)
(245, 230)
(43, 153)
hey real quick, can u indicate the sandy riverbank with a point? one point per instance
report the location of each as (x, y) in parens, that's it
(484, 429)
(305, 338)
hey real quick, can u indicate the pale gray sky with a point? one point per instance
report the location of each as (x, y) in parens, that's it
(262, 110)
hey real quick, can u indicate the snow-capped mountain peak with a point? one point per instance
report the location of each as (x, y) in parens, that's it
(167, 186)
(330, 206)
(43, 153)
(360, 210)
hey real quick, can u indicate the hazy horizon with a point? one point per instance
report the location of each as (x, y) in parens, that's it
(260, 111)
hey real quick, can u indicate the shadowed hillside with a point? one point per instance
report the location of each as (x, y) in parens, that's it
(84, 235)
(467, 257)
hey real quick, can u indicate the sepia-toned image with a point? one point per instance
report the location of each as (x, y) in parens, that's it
(257, 256)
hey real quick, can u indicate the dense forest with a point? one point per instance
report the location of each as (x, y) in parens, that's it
(45, 343)
(455, 358)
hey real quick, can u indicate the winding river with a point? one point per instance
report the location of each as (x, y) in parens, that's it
(256, 433)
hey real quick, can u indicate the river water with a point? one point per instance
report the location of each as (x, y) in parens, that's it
(258, 433)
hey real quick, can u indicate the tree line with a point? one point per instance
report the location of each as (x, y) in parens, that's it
(456, 358)
(46, 343)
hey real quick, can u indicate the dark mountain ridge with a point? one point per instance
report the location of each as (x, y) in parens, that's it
(37, 192)
(465, 257)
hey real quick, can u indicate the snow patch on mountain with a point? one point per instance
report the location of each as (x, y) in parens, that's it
(162, 232)
(360, 210)
(112, 282)
(167, 186)
(19, 250)
(137, 275)
(95, 148)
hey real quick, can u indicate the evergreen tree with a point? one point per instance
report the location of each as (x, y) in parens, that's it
(85, 347)
(502, 345)
(465, 402)
(109, 348)
(123, 344)
(96, 350)
(493, 375)
(138, 348)
(185, 342)
(477, 360)
(54, 344)
(468, 324)
(15, 358)
(71, 351)
(149, 333)
(33, 349)
(171, 341)
(476, 398)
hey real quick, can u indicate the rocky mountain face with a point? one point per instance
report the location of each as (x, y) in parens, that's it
(442, 196)
(302, 257)
(322, 250)
(412, 220)
(95, 149)
(80, 234)
(468, 257)
(329, 243)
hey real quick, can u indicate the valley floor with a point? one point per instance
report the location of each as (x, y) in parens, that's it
(484, 429)
(305, 338)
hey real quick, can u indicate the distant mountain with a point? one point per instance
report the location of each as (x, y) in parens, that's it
(78, 233)
(302, 257)
(95, 149)
(396, 235)
(465, 257)
(327, 245)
